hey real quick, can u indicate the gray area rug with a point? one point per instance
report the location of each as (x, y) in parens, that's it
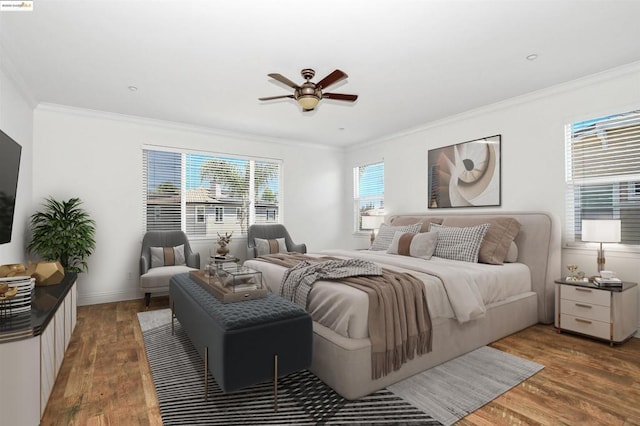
(441, 395)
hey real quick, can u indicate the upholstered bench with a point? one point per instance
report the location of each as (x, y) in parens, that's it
(243, 343)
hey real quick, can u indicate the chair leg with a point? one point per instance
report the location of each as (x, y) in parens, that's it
(147, 299)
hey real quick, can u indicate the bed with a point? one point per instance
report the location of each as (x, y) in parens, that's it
(515, 295)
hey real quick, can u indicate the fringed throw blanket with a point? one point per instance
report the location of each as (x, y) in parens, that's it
(399, 321)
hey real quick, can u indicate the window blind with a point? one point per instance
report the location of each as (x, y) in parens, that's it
(205, 194)
(368, 194)
(603, 174)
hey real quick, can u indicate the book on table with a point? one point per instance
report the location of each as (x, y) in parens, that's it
(608, 282)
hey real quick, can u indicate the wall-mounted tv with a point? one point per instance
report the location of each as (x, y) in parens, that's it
(9, 167)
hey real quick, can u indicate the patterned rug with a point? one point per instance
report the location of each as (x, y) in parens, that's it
(441, 395)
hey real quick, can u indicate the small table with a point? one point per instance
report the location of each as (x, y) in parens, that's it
(608, 313)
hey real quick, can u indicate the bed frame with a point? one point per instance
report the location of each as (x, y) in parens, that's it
(345, 364)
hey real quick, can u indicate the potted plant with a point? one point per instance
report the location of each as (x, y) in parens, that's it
(63, 232)
(223, 241)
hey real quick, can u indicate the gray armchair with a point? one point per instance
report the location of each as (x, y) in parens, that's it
(156, 279)
(271, 232)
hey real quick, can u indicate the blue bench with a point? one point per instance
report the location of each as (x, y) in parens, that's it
(242, 343)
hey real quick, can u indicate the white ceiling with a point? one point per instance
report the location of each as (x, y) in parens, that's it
(411, 62)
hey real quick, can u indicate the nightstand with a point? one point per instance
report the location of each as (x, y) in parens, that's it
(608, 313)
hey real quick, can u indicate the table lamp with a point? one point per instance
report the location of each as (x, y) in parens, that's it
(601, 231)
(373, 223)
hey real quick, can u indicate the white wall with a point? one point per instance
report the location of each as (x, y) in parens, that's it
(98, 158)
(533, 161)
(16, 120)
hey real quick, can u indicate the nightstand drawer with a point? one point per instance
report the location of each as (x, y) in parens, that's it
(585, 310)
(587, 295)
(591, 327)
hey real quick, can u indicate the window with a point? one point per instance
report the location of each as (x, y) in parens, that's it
(219, 214)
(368, 192)
(203, 194)
(200, 214)
(603, 174)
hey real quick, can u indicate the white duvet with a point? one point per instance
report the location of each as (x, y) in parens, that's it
(455, 289)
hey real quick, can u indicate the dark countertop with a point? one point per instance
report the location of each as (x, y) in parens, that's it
(590, 284)
(45, 301)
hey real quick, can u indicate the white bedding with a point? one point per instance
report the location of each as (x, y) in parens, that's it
(463, 293)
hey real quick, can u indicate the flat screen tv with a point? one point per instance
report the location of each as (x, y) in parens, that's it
(9, 167)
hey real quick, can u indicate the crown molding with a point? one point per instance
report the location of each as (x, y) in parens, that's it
(571, 85)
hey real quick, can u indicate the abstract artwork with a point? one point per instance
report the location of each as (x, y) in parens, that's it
(465, 174)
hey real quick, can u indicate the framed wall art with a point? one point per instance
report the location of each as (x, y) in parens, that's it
(465, 174)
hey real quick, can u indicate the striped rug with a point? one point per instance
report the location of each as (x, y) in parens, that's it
(303, 399)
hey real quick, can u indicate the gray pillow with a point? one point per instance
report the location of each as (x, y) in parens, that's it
(167, 256)
(459, 243)
(386, 233)
(415, 245)
(263, 246)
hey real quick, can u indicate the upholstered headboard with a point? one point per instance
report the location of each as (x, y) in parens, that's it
(538, 245)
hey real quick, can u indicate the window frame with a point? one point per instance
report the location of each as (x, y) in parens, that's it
(358, 198)
(590, 170)
(184, 213)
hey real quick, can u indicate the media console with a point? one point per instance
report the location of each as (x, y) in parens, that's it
(32, 347)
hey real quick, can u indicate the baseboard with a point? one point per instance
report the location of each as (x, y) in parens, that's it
(95, 298)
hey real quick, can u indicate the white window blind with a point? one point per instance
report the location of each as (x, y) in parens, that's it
(603, 174)
(206, 194)
(368, 197)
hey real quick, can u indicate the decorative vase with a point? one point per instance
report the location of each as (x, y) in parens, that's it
(222, 251)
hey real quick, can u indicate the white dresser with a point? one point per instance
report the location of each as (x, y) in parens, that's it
(32, 347)
(608, 313)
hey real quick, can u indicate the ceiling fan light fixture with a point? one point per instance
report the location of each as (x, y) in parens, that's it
(308, 102)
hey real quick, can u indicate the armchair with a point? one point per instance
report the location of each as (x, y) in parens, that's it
(156, 279)
(271, 232)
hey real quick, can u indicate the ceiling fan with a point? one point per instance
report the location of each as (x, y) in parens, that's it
(309, 94)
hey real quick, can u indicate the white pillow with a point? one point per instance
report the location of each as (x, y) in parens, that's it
(459, 243)
(167, 256)
(415, 245)
(263, 246)
(386, 233)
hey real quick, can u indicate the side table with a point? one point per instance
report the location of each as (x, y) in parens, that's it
(608, 313)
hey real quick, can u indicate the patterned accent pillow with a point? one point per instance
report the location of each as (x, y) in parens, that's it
(459, 243)
(167, 256)
(497, 241)
(263, 246)
(386, 233)
(415, 245)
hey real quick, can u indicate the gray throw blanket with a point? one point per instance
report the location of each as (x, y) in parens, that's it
(399, 321)
(297, 281)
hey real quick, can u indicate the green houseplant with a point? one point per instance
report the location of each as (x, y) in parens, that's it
(63, 231)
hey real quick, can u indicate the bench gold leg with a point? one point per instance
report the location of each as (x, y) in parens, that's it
(275, 382)
(206, 375)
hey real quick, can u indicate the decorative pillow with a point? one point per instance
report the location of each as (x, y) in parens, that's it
(496, 243)
(386, 233)
(415, 245)
(410, 220)
(459, 243)
(167, 256)
(263, 246)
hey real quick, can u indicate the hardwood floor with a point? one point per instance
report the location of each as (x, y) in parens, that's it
(105, 378)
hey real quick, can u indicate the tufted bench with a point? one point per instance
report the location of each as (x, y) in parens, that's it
(242, 343)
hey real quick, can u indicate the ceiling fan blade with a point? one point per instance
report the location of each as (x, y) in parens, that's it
(270, 98)
(340, 97)
(284, 80)
(332, 78)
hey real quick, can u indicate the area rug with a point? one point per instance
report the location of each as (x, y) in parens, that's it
(440, 395)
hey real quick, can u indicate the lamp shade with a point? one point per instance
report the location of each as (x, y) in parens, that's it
(372, 222)
(308, 101)
(601, 231)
